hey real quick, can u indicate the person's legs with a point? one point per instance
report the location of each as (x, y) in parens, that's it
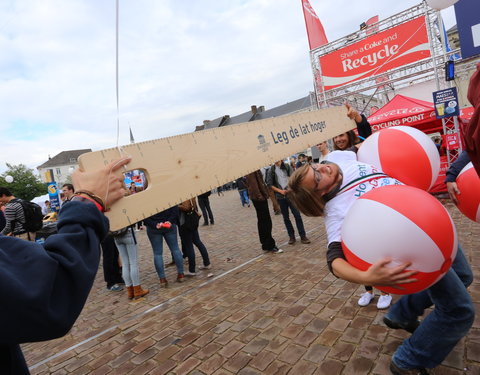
(132, 255)
(247, 198)
(111, 269)
(156, 240)
(122, 250)
(298, 219)
(172, 242)
(209, 210)
(264, 224)
(241, 197)
(187, 244)
(286, 216)
(202, 204)
(408, 308)
(201, 247)
(441, 330)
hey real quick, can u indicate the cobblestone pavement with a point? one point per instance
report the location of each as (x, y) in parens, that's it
(257, 314)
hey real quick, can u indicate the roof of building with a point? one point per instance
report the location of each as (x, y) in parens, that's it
(258, 113)
(64, 158)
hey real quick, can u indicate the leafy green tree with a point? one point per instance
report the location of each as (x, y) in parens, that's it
(25, 184)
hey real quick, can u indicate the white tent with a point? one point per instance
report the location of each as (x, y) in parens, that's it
(41, 200)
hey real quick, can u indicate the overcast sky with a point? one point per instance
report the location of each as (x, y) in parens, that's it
(180, 62)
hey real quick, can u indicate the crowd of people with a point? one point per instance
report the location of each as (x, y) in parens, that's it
(300, 186)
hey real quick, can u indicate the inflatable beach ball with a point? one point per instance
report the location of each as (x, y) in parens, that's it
(405, 224)
(404, 153)
(468, 183)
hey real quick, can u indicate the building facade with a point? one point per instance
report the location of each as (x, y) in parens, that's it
(59, 168)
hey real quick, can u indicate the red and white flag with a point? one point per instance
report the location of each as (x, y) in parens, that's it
(315, 31)
(371, 29)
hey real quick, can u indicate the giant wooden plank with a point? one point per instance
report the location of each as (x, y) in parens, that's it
(181, 167)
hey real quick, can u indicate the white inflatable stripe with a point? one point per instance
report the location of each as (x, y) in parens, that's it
(370, 155)
(373, 231)
(465, 169)
(428, 145)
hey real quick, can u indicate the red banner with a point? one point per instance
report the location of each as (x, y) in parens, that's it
(451, 141)
(316, 33)
(389, 49)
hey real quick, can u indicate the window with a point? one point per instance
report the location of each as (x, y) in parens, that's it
(58, 171)
(73, 160)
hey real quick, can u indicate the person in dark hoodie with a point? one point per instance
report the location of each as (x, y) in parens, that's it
(44, 286)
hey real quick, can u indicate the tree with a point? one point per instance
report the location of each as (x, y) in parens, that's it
(25, 184)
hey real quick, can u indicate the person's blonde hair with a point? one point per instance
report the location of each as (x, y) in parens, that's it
(306, 200)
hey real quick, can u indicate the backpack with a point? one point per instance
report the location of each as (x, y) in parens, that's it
(33, 215)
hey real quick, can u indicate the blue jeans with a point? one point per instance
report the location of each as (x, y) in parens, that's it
(244, 197)
(127, 248)
(284, 206)
(156, 237)
(441, 330)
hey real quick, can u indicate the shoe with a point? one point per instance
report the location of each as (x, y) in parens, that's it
(408, 326)
(305, 240)
(277, 212)
(130, 292)
(205, 224)
(115, 288)
(400, 371)
(188, 273)
(163, 282)
(384, 301)
(275, 250)
(248, 205)
(180, 278)
(205, 267)
(366, 298)
(292, 240)
(212, 222)
(172, 263)
(138, 292)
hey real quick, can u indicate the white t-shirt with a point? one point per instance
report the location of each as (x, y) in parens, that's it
(336, 209)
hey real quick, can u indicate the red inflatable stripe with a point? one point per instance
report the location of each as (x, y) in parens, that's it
(424, 279)
(411, 170)
(413, 203)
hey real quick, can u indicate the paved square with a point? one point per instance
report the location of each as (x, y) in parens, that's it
(258, 314)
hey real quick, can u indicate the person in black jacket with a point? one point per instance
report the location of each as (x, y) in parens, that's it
(44, 287)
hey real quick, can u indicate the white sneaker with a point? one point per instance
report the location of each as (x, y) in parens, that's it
(366, 298)
(384, 301)
(188, 273)
(205, 267)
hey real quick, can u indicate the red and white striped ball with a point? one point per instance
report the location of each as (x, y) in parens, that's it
(404, 153)
(405, 224)
(468, 183)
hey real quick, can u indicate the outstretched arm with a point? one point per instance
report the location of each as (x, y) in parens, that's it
(44, 288)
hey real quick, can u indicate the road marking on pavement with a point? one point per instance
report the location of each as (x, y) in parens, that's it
(167, 302)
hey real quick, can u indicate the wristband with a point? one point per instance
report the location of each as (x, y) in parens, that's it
(83, 198)
(93, 197)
